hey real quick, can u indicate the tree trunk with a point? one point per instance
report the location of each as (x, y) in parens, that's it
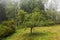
(31, 29)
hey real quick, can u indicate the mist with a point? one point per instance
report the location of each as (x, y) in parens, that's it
(55, 4)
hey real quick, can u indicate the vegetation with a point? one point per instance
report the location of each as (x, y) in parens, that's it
(40, 33)
(20, 17)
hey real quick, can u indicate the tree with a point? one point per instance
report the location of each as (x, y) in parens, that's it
(2, 12)
(35, 19)
(29, 5)
(52, 15)
(32, 14)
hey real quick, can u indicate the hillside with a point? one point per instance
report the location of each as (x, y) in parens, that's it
(39, 33)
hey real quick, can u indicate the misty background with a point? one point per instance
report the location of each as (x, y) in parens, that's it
(55, 4)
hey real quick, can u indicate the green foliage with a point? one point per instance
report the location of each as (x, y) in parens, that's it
(28, 6)
(35, 19)
(31, 14)
(8, 23)
(21, 16)
(10, 10)
(5, 31)
(7, 28)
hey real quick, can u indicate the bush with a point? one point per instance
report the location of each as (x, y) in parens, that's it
(48, 23)
(7, 28)
(8, 22)
(5, 31)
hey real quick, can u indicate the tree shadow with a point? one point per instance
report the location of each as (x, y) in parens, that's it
(34, 35)
(7, 35)
(37, 34)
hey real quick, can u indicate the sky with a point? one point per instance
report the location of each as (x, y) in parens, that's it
(55, 4)
(58, 4)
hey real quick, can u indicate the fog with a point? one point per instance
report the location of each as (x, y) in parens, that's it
(53, 3)
(48, 4)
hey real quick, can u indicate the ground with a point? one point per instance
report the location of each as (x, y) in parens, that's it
(39, 33)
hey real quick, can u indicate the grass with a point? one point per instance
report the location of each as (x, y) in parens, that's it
(39, 33)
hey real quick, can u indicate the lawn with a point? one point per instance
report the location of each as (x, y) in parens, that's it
(39, 33)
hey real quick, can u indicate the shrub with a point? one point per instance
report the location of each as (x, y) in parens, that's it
(6, 28)
(5, 31)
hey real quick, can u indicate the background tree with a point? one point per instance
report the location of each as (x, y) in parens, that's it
(2, 12)
(29, 5)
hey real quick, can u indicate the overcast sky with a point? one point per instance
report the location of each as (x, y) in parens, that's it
(58, 4)
(55, 3)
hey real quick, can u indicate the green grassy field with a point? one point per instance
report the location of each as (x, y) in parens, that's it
(39, 33)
